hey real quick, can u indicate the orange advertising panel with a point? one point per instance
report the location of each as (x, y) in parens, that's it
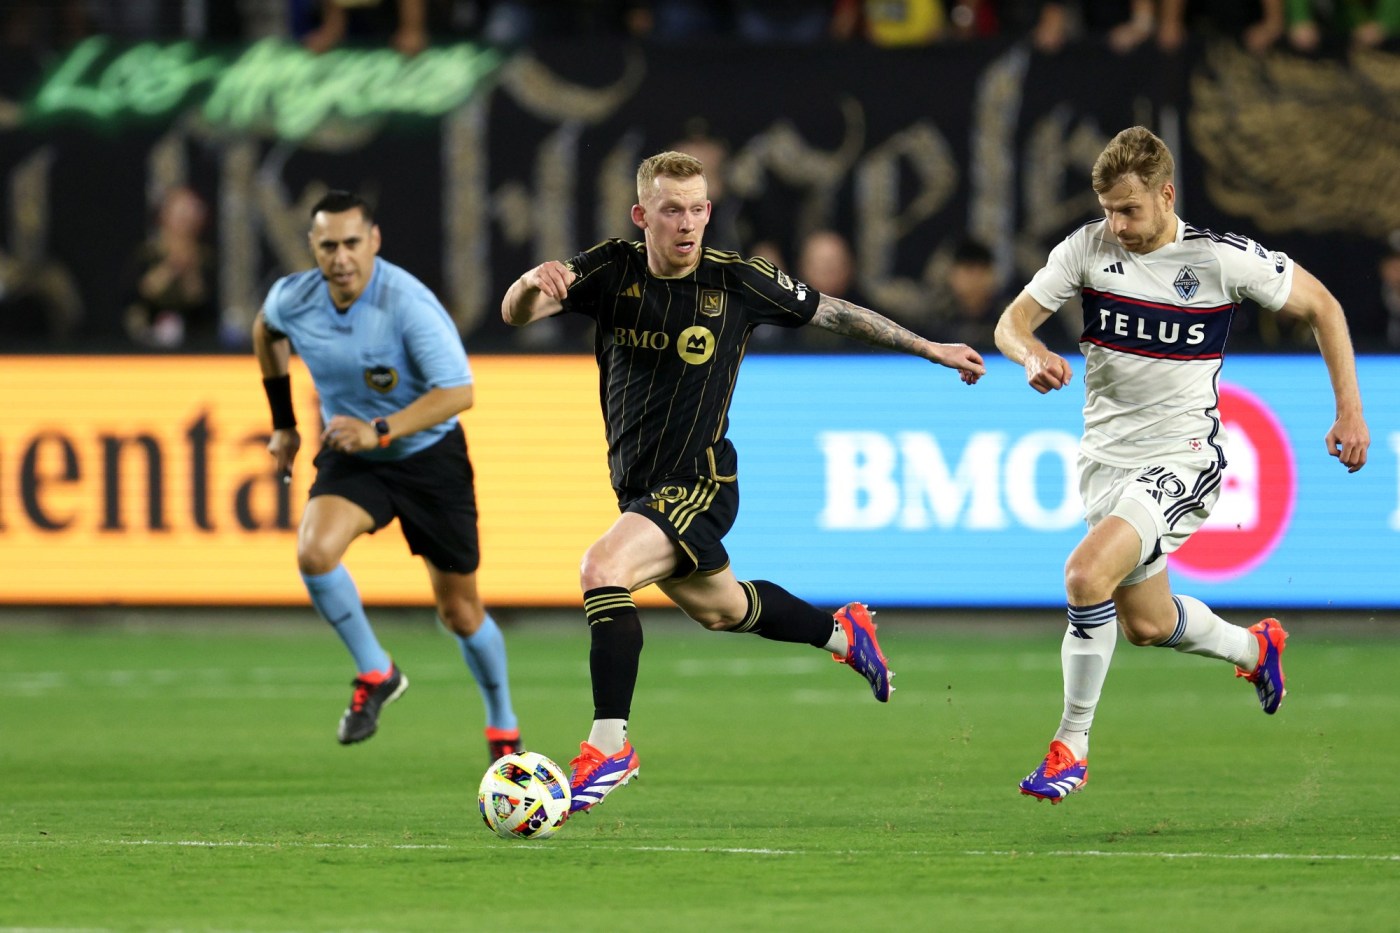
(146, 480)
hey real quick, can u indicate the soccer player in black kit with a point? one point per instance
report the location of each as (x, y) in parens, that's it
(673, 320)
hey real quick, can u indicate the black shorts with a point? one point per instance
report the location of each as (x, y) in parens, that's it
(431, 493)
(696, 512)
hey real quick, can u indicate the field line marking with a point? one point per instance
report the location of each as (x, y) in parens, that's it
(1260, 856)
(243, 844)
(976, 853)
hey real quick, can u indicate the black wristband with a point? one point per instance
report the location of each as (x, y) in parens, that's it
(279, 399)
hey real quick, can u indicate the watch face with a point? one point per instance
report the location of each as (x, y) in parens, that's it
(381, 425)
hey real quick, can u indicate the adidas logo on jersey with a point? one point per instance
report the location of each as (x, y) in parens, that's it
(632, 291)
(1114, 267)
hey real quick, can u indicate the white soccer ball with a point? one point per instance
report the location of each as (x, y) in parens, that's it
(524, 796)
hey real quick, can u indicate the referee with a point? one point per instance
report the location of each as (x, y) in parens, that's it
(392, 375)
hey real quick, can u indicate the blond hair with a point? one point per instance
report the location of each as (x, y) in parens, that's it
(669, 164)
(1135, 151)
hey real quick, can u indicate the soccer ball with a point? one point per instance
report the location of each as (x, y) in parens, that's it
(524, 796)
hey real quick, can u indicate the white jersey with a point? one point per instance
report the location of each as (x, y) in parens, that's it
(1154, 334)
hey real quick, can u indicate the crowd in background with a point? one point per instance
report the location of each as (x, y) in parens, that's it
(169, 294)
(410, 25)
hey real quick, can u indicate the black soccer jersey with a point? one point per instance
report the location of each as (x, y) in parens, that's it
(669, 351)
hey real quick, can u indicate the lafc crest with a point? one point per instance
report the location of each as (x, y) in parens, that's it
(711, 302)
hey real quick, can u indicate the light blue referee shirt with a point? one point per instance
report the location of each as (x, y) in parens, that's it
(387, 349)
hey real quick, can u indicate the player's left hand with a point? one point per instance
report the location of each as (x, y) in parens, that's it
(349, 435)
(967, 361)
(1348, 441)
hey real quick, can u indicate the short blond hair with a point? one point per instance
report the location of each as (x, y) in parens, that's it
(1135, 151)
(670, 164)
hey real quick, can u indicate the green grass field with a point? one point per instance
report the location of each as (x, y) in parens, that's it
(181, 773)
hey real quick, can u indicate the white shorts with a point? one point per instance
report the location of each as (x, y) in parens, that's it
(1165, 503)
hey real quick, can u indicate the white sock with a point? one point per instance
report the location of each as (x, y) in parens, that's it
(1084, 655)
(608, 735)
(1200, 631)
(839, 644)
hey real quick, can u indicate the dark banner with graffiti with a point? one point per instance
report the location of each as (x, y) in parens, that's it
(484, 162)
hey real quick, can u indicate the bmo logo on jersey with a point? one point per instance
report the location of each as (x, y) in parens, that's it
(696, 345)
(1256, 501)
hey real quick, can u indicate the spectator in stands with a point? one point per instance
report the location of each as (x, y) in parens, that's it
(1123, 24)
(916, 22)
(403, 23)
(974, 300)
(42, 26)
(713, 153)
(826, 263)
(512, 22)
(1362, 23)
(679, 20)
(781, 22)
(171, 305)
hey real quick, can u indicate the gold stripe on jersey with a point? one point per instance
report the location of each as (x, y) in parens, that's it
(728, 257)
(700, 499)
(714, 467)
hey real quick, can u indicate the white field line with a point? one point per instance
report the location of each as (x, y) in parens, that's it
(820, 853)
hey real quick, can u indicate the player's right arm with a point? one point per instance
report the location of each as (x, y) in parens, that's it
(537, 294)
(1016, 339)
(274, 352)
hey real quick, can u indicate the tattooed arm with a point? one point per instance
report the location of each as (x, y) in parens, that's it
(851, 320)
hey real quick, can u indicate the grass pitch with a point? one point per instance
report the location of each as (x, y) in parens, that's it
(183, 774)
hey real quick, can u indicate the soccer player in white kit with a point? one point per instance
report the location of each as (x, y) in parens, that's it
(1158, 298)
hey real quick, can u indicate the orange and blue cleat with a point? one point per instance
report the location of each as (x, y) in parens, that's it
(863, 651)
(1267, 677)
(1058, 776)
(593, 775)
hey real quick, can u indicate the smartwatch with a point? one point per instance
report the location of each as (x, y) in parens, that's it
(381, 429)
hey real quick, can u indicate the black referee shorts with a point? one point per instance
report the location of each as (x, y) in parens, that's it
(431, 493)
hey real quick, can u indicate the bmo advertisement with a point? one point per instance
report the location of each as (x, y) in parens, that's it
(145, 481)
(887, 480)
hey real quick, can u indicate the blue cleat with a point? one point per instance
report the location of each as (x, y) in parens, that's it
(593, 775)
(1058, 776)
(863, 652)
(1267, 677)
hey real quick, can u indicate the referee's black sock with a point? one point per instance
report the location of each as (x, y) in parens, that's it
(616, 630)
(776, 614)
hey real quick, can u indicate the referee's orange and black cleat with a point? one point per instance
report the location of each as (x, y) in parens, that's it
(373, 691)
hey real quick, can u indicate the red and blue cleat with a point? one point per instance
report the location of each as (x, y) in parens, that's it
(593, 775)
(1058, 776)
(1267, 677)
(863, 651)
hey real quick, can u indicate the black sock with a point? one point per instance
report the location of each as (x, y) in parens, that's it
(776, 614)
(616, 630)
